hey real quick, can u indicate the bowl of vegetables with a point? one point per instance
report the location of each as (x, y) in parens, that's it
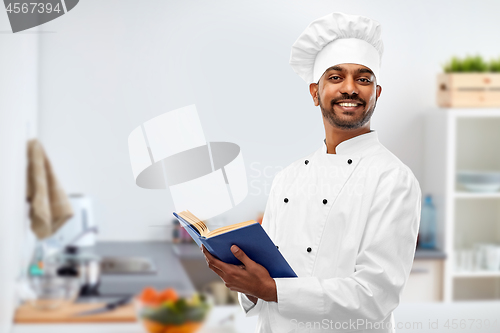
(168, 312)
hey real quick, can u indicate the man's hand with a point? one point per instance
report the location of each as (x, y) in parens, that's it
(250, 278)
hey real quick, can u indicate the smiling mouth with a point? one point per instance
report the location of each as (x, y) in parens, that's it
(349, 106)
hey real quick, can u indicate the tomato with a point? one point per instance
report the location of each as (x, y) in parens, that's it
(168, 294)
(150, 296)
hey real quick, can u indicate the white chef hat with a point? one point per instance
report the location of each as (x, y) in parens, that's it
(337, 38)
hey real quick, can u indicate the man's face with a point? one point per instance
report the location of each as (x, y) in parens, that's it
(347, 95)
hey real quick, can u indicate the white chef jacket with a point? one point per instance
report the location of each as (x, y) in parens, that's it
(347, 224)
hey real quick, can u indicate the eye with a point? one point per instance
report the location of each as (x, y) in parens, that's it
(334, 77)
(365, 80)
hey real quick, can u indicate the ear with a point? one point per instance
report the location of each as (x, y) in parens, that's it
(313, 90)
(379, 91)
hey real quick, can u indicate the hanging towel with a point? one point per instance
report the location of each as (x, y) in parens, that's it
(50, 207)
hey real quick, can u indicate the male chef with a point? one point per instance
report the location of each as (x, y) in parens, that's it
(345, 217)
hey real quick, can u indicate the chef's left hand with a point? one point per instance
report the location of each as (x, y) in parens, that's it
(250, 278)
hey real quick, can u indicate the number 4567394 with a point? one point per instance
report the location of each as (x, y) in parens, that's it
(32, 7)
(470, 323)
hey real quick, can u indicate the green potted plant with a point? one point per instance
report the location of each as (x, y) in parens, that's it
(469, 82)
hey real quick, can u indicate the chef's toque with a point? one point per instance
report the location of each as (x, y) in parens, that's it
(337, 38)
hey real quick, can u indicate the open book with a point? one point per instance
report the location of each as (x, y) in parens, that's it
(248, 236)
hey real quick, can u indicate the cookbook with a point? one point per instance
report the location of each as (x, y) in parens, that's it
(249, 236)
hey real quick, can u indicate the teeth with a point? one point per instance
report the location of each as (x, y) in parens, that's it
(348, 104)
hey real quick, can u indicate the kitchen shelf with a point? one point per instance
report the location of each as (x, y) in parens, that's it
(463, 139)
(472, 113)
(476, 274)
(474, 195)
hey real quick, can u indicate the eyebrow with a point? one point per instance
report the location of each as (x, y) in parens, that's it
(365, 70)
(342, 69)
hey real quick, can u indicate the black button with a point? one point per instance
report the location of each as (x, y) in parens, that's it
(277, 247)
(286, 200)
(306, 162)
(309, 249)
(325, 201)
(349, 161)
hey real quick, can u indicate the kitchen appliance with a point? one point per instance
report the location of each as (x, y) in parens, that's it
(82, 219)
(83, 265)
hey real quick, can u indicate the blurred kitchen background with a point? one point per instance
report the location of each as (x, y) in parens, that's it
(81, 83)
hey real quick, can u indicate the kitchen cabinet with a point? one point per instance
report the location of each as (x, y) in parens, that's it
(464, 139)
(425, 283)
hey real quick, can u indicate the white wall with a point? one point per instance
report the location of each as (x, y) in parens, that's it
(108, 66)
(18, 106)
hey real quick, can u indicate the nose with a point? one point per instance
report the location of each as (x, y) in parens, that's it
(348, 86)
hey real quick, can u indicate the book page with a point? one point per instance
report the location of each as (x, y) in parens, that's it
(228, 228)
(203, 229)
(195, 222)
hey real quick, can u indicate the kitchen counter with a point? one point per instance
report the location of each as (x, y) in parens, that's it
(417, 318)
(170, 272)
(424, 254)
(222, 319)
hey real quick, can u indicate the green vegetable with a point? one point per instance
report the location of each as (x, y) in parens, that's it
(177, 312)
(164, 315)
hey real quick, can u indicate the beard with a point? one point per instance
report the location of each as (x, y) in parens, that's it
(347, 124)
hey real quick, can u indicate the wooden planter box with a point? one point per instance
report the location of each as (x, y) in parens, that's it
(461, 90)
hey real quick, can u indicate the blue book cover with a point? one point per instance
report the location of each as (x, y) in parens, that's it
(252, 239)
